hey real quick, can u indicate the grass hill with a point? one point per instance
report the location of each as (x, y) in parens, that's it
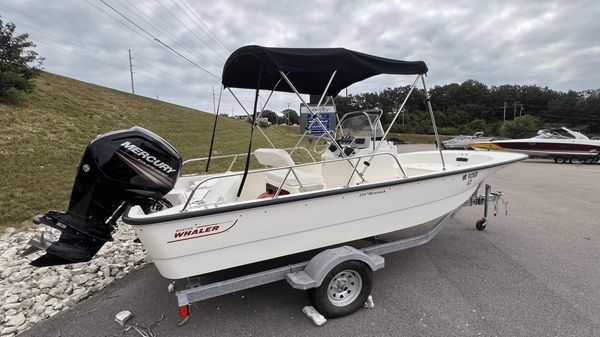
(43, 137)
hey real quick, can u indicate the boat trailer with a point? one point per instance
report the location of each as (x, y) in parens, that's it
(321, 271)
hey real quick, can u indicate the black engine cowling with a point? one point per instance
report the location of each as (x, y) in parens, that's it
(117, 168)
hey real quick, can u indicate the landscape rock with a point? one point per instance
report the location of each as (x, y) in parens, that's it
(122, 316)
(81, 278)
(48, 282)
(105, 270)
(6, 272)
(314, 315)
(29, 295)
(12, 299)
(26, 304)
(8, 331)
(10, 306)
(16, 320)
(20, 276)
(51, 302)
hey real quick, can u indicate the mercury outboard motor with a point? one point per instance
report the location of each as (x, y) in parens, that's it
(117, 169)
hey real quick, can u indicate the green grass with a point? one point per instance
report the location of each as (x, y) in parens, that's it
(410, 138)
(43, 137)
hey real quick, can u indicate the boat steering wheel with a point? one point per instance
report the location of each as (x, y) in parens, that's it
(322, 143)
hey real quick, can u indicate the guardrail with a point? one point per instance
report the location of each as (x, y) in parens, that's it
(290, 170)
(236, 156)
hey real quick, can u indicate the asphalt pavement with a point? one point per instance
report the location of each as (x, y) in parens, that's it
(534, 272)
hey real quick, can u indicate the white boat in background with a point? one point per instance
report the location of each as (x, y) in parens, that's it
(463, 142)
(562, 145)
(200, 223)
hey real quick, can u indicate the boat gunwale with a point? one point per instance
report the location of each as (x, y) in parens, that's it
(301, 197)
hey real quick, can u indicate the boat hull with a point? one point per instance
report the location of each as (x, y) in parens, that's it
(204, 244)
(544, 148)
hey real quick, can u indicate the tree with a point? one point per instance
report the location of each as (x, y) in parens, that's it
(16, 57)
(521, 127)
(270, 115)
(293, 117)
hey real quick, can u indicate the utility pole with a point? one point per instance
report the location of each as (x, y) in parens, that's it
(504, 115)
(288, 115)
(521, 111)
(131, 72)
(514, 110)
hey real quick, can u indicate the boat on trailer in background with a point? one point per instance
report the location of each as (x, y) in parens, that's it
(562, 145)
(201, 223)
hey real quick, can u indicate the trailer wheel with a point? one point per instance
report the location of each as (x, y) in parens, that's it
(559, 160)
(481, 224)
(344, 290)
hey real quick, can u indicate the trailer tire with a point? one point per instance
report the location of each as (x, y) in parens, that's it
(481, 224)
(344, 290)
(559, 160)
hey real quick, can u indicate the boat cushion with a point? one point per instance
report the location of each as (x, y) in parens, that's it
(224, 190)
(273, 157)
(306, 179)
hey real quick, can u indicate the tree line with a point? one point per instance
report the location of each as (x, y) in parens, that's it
(505, 110)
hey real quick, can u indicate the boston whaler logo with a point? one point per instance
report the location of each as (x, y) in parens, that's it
(159, 164)
(198, 231)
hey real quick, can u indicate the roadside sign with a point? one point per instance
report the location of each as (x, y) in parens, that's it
(326, 116)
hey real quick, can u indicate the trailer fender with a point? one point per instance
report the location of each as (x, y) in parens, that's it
(319, 266)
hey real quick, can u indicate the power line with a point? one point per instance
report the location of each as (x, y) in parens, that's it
(163, 31)
(160, 42)
(92, 55)
(219, 57)
(191, 31)
(210, 32)
(224, 51)
(116, 19)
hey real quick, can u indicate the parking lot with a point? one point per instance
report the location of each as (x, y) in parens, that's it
(534, 272)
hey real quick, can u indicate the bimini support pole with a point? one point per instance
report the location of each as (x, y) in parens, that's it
(251, 134)
(399, 110)
(435, 130)
(212, 139)
(250, 116)
(318, 111)
(412, 87)
(314, 115)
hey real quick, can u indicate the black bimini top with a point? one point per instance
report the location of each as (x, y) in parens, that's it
(309, 69)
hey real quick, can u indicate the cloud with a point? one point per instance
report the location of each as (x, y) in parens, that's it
(552, 44)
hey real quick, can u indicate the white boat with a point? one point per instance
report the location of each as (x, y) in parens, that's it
(463, 142)
(563, 145)
(200, 223)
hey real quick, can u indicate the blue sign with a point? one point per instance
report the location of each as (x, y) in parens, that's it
(316, 128)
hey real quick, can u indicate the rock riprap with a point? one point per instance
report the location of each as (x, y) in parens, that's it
(29, 295)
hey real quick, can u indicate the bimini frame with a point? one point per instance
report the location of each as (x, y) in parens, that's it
(302, 70)
(315, 114)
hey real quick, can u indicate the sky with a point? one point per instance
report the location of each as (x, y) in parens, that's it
(553, 44)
